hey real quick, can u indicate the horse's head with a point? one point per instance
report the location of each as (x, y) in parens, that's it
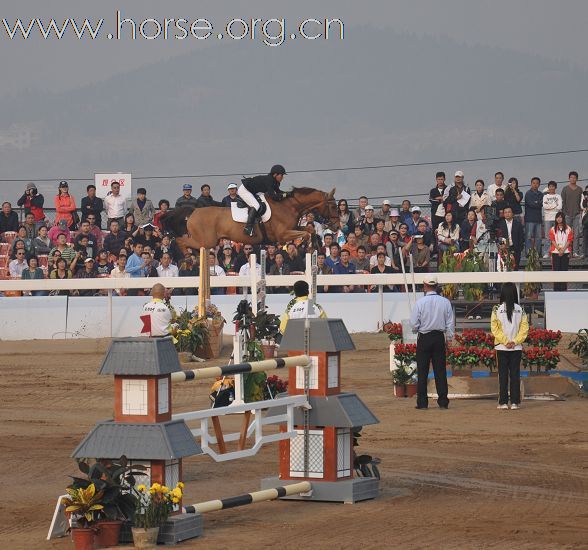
(306, 199)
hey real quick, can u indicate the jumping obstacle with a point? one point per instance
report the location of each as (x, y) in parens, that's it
(240, 368)
(249, 498)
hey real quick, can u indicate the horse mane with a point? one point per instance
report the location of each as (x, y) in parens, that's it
(175, 221)
(304, 190)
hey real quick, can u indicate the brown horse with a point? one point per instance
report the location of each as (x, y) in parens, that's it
(203, 227)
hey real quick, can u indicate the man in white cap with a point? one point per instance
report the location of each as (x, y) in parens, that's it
(368, 224)
(384, 212)
(393, 221)
(458, 198)
(432, 319)
(232, 196)
(413, 222)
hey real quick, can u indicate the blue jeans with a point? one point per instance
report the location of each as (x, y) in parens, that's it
(533, 232)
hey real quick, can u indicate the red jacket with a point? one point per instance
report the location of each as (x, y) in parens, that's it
(65, 206)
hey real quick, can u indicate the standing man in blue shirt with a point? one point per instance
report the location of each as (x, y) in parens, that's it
(432, 319)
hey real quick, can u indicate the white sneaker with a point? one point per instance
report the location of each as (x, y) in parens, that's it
(515, 407)
(503, 407)
(545, 256)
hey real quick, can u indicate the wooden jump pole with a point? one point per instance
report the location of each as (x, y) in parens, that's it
(249, 498)
(204, 286)
(240, 368)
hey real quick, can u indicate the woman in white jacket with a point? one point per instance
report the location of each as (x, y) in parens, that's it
(510, 328)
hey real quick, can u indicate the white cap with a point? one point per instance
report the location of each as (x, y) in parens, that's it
(232, 186)
(327, 232)
(386, 201)
(415, 209)
(369, 207)
(394, 212)
(459, 174)
(431, 280)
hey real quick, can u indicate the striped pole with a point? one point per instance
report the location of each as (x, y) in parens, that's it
(240, 368)
(249, 498)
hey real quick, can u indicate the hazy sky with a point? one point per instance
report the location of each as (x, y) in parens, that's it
(383, 117)
(551, 29)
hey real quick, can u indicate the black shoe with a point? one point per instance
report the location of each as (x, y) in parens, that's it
(444, 407)
(421, 407)
(248, 230)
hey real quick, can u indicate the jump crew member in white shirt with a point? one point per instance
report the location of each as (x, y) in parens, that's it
(157, 316)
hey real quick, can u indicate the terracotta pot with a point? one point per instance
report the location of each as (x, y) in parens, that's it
(411, 390)
(269, 351)
(400, 391)
(108, 533)
(145, 537)
(83, 538)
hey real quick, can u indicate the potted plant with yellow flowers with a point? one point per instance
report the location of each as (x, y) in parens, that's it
(154, 507)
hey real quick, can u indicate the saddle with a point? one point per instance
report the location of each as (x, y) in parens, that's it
(240, 209)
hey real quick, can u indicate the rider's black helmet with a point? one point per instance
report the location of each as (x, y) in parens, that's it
(278, 169)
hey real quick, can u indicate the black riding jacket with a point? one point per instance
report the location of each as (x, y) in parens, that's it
(263, 184)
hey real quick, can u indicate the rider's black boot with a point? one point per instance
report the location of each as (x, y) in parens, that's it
(250, 221)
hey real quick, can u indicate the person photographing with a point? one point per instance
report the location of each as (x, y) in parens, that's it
(510, 327)
(157, 314)
(433, 320)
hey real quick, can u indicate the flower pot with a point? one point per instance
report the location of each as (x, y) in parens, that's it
(400, 391)
(269, 351)
(145, 537)
(108, 533)
(411, 390)
(83, 538)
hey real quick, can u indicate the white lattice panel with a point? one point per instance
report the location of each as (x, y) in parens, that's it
(343, 452)
(333, 371)
(163, 395)
(134, 397)
(316, 454)
(313, 375)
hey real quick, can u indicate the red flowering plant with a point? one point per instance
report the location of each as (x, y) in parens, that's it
(404, 354)
(487, 357)
(461, 357)
(393, 330)
(538, 356)
(539, 337)
(475, 338)
(273, 386)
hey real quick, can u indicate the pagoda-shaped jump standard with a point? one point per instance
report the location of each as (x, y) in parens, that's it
(142, 428)
(333, 417)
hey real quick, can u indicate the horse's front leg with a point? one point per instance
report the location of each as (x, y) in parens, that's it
(293, 234)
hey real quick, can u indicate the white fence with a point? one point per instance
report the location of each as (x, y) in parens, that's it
(24, 318)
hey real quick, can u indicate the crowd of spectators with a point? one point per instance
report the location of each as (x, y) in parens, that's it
(114, 237)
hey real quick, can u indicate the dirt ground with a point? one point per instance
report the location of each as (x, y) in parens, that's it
(471, 477)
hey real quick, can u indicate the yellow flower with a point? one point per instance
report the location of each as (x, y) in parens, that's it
(175, 500)
(164, 489)
(156, 487)
(177, 493)
(180, 485)
(141, 488)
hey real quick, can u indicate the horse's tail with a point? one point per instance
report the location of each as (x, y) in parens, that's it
(175, 221)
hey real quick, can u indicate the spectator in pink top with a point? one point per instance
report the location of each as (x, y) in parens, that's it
(65, 205)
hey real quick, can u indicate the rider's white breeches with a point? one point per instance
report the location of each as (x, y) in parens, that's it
(248, 197)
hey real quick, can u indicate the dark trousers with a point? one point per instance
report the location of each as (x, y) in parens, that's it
(431, 349)
(509, 372)
(560, 263)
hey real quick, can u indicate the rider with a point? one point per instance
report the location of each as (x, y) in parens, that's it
(269, 184)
